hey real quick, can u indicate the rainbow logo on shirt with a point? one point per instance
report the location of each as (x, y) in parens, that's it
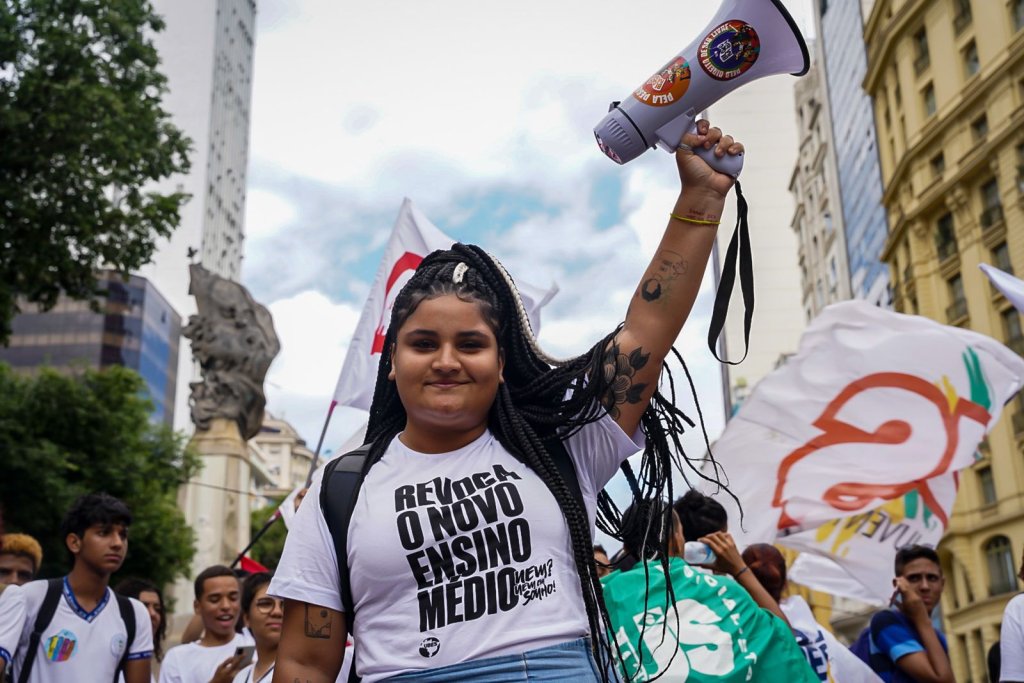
(61, 647)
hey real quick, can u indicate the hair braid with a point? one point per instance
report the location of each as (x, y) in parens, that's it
(541, 398)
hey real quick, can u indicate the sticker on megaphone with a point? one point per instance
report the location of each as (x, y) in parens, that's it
(746, 40)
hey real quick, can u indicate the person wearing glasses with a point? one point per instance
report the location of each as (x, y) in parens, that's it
(263, 615)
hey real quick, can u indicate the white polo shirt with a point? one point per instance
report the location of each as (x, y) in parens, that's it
(78, 645)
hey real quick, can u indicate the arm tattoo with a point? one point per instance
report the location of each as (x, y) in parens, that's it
(669, 266)
(318, 622)
(618, 387)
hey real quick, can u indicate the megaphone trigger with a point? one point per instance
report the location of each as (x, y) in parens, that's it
(730, 164)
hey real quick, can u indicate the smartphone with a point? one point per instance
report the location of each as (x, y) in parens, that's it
(246, 652)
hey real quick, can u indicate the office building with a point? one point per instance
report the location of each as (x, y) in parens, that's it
(817, 221)
(947, 81)
(855, 144)
(135, 327)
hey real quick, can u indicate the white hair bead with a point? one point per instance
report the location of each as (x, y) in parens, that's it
(460, 272)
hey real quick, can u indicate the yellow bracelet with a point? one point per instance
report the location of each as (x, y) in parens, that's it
(684, 219)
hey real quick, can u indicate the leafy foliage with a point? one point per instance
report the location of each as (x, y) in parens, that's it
(267, 551)
(84, 139)
(63, 436)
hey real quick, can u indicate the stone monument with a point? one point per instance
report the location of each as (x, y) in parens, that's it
(233, 343)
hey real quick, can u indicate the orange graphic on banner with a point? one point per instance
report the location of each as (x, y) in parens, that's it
(852, 496)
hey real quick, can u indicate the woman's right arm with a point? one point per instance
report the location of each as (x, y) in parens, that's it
(312, 644)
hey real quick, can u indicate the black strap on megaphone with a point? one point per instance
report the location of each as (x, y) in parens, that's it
(740, 243)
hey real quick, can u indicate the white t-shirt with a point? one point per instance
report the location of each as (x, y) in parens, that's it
(455, 556)
(12, 615)
(245, 675)
(194, 663)
(1011, 641)
(77, 645)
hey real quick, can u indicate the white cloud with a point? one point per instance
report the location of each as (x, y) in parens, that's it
(266, 213)
(357, 106)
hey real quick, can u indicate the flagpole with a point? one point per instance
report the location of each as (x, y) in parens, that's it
(257, 536)
(320, 444)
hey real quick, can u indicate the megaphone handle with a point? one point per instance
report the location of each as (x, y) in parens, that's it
(730, 164)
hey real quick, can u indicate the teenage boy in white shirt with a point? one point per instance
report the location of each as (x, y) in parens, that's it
(87, 636)
(218, 603)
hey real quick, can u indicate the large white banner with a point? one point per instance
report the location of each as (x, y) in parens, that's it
(412, 238)
(870, 418)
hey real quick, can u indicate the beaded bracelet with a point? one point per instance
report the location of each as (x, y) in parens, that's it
(684, 219)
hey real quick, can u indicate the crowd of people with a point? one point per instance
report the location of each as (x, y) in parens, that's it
(457, 543)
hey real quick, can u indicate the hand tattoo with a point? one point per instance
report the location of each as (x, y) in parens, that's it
(670, 266)
(318, 622)
(618, 371)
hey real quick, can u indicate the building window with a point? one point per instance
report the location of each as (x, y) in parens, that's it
(945, 237)
(928, 95)
(992, 208)
(979, 127)
(1018, 14)
(1012, 330)
(957, 309)
(922, 58)
(938, 164)
(971, 63)
(1001, 572)
(987, 485)
(1001, 258)
(962, 17)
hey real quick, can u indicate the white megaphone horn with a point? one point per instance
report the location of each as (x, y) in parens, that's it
(746, 40)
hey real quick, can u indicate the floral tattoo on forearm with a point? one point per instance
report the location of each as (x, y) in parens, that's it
(618, 371)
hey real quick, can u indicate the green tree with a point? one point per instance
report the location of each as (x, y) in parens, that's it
(267, 550)
(84, 137)
(63, 436)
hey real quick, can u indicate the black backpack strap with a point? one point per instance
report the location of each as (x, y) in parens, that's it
(567, 468)
(54, 589)
(124, 604)
(339, 489)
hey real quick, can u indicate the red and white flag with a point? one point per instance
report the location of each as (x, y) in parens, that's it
(412, 238)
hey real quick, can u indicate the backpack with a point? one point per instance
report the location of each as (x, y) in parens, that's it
(339, 489)
(54, 590)
(862, 646)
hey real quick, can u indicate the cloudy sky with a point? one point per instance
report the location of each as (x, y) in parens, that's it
(482, 114)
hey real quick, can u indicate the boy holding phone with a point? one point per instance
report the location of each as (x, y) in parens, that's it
(220, 653)
(904, 645)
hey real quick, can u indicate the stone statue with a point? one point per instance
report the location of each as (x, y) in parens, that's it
(233, 340)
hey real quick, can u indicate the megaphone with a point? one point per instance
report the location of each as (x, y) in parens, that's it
(746, 40)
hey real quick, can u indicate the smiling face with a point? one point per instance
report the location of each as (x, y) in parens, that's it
(446, 367)
(219, 605)
(102, 548)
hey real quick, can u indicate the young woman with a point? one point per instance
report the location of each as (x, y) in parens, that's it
(263, 615)
(150, 596)
(470, 558)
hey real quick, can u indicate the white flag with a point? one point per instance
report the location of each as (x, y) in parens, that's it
(876, 410)
(1011, 287)
(853, 557)
(412, 238)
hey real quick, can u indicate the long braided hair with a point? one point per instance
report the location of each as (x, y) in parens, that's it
(542, 398)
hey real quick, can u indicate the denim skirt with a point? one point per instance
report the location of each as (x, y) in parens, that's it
(568, 662)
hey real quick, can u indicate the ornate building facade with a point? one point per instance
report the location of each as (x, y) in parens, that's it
(947, 81)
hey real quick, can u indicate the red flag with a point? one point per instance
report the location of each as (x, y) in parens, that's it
(412, 238)
(252, 566)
